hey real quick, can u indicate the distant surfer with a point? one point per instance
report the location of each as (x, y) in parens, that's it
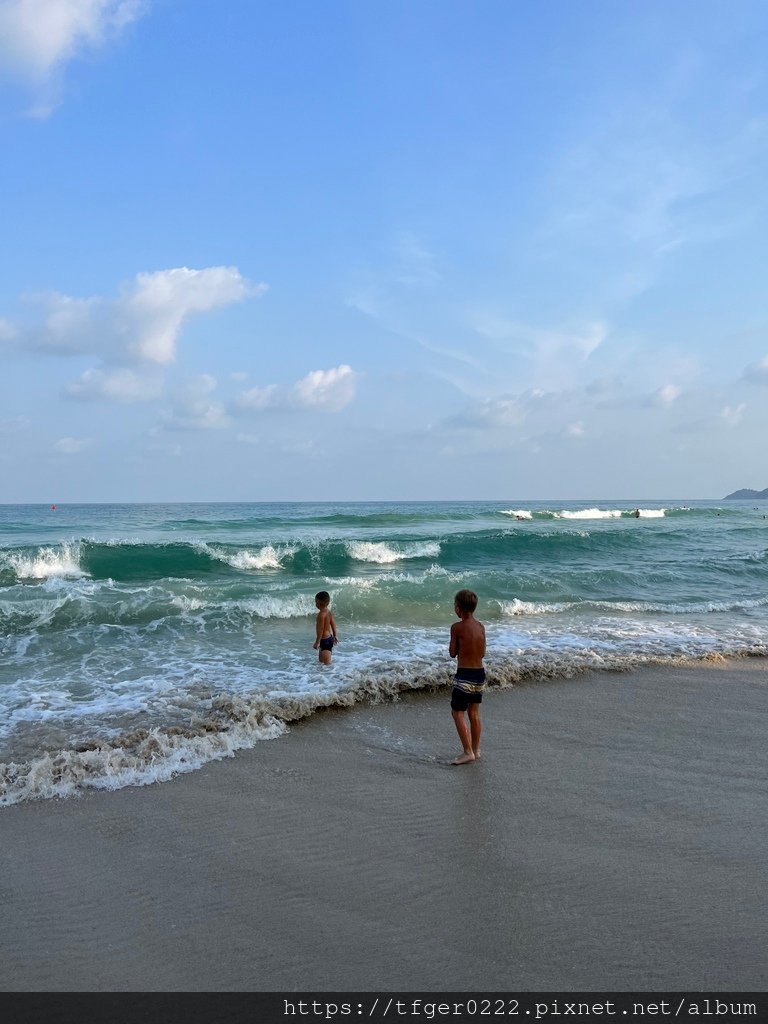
(637, 513)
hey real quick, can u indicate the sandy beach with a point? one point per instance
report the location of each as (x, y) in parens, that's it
(612, 837)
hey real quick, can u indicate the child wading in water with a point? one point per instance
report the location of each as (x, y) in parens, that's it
(468, 644)
(325, 627)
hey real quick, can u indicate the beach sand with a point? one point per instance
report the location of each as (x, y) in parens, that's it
(612, 838)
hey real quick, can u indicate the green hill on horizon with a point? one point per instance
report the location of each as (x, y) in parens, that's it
(745, 492)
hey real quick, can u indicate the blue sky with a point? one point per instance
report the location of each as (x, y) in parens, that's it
(371, 250)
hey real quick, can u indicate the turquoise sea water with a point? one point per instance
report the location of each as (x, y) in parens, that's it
(141, 640)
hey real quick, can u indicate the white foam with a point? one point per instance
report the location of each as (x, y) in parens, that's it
(268, 557)
(392, 576)
(47, 562)
(518, 607)
(609, 513)
(590, 513)
(188, 604)
(358, 582)
(382, 553)
(156, 757)
(518, 513)
(234, 723)
(269, 607)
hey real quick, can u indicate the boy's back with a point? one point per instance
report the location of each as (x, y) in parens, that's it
(469, 637)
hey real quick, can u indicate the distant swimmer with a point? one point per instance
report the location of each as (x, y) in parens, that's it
(637, 513)
(53, 508)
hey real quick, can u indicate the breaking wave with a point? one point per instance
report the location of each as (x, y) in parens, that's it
(589, 513)
(45, 562)
(268, 557)
(382, 554)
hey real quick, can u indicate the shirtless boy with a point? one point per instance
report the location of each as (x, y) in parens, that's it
(468, 645)
(325, 627)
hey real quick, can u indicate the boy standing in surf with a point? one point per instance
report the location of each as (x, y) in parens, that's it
(325, 628)
(468, 645)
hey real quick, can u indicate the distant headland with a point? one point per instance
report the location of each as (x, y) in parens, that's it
(745, 492)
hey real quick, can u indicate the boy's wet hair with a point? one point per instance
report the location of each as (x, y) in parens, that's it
(323, 597)
(466, 600)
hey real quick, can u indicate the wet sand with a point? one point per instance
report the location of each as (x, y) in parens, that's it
(612, 838)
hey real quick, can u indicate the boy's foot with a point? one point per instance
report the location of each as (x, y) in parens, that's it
(464, 759)
(477, 755)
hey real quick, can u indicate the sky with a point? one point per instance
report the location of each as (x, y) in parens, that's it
(382, 249)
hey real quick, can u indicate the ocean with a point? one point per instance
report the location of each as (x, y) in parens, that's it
(140, 641)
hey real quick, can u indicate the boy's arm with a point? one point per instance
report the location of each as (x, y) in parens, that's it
(318, 629)
(453, 647)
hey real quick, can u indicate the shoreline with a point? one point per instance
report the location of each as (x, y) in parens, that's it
(612, 838)
(227, 724)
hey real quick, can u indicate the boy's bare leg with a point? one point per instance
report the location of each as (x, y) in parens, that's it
(325, 657)
(463, 730)
(475, 727)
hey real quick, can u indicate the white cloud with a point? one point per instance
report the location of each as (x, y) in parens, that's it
(36, 36)
(329, 390)
(172, 449)
(415, 265)
(575, 429)
(733, 415)
(15, 425)
(7, 331)
(636, 178)
(541, 340)
(667, 395)
(161, 302)
(121, 385)
(258, 398)
(324, 390)
(143, 324)
(39, 37)
(503, 411)
(757, 373)
(69, 325)
(71, 445)
(194, 408)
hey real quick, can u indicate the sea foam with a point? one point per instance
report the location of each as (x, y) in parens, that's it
(382, 553)
(46, 562)
(231, 723)
(268, 557)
